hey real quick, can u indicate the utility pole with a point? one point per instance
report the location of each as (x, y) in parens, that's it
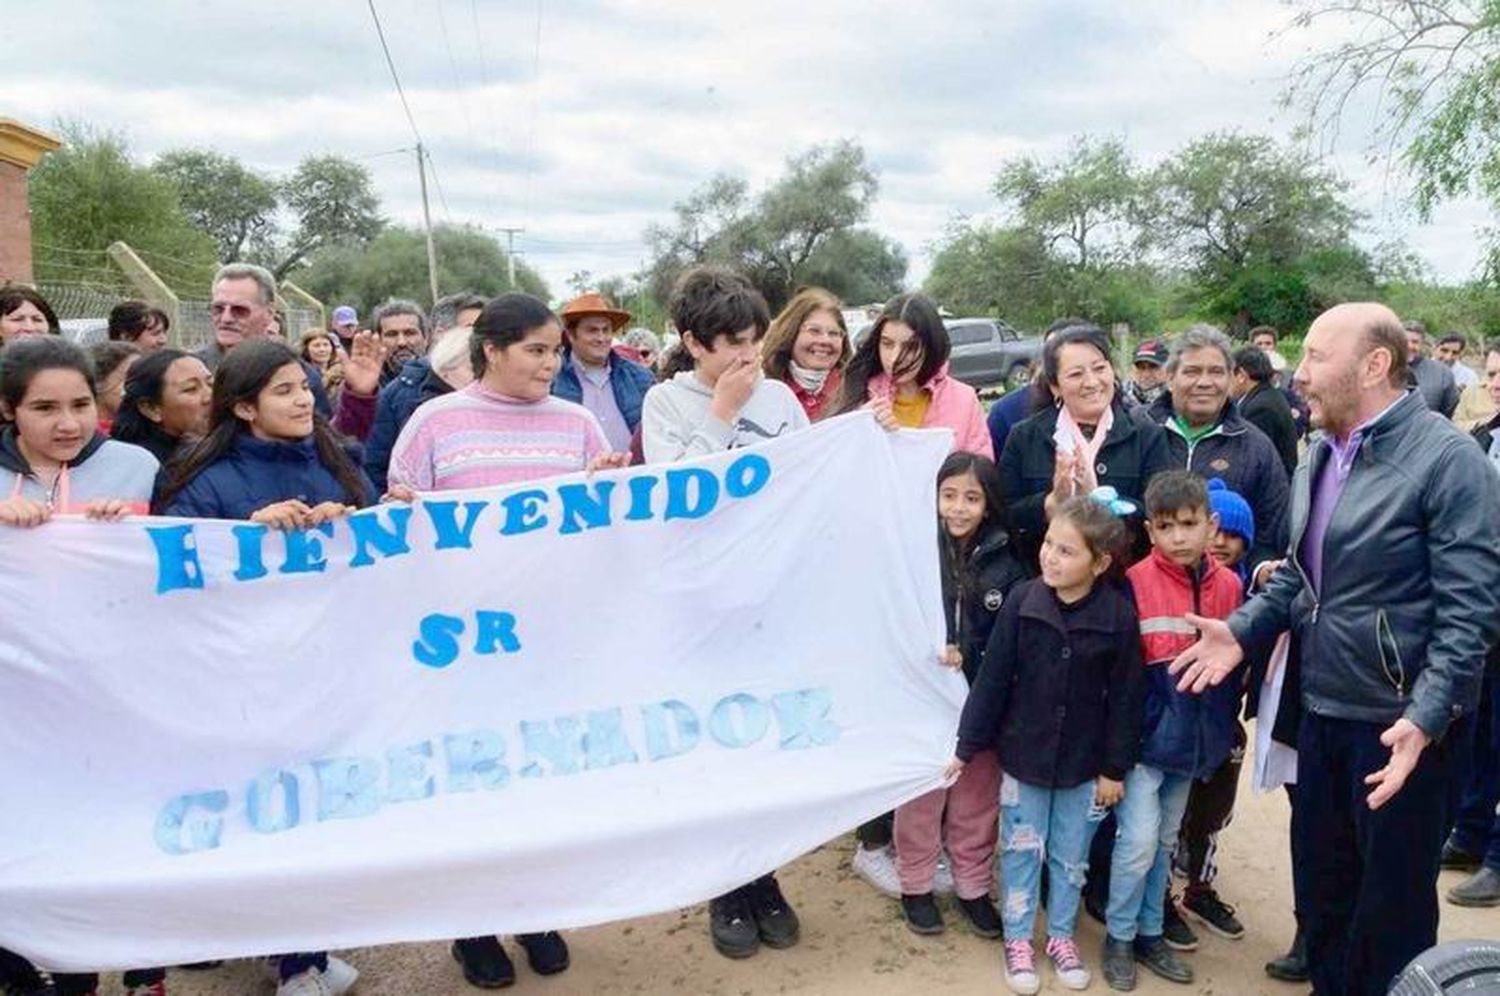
(427, 217)
(510, 252)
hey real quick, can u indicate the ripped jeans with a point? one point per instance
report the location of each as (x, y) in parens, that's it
(1048, 825)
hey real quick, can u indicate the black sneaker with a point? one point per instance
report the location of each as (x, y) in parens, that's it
(732, 925)
(922, 914)
(775, 920)
(1458, 860)
(1155, 955)
(1117, 962)
(547, 954)
(485, 963)
(1175, 931)
(983, 918)
(1215, 914)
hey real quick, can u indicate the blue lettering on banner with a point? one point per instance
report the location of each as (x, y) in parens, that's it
(437, 646)
(383, 533)
(358, 786)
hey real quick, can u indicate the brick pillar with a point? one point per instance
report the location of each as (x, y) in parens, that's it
(21, 148)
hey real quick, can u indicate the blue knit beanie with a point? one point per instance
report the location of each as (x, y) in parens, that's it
(1233, 511)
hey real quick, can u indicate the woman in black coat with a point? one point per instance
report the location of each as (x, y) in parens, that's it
(1038, 474)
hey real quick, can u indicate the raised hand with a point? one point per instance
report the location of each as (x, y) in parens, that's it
(366, 360)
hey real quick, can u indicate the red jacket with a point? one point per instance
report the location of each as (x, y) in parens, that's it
(1183, 734)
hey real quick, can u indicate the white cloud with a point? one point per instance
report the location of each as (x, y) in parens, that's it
(636, 103)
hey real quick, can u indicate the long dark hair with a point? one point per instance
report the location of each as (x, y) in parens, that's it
(988, 476)
(144, 384)
(21, 361)
(242, 375)
(916, 312)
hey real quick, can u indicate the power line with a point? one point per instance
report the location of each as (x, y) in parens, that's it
(395, 77)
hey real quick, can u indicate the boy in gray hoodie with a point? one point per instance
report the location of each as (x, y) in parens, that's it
(715, 397)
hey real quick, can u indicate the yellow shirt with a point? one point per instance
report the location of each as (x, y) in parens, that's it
(910, 412)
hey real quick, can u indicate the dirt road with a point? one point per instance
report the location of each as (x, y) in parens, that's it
(854, 942)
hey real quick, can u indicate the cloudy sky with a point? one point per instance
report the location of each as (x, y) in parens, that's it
(584, 120)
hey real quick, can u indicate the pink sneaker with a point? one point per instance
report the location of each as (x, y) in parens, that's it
(1067, 963)
(1020, 968)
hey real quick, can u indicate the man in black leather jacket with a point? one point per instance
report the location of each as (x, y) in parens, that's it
(1392, 585)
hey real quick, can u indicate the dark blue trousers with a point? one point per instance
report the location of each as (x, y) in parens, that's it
(1366, 881)
(1476, 828)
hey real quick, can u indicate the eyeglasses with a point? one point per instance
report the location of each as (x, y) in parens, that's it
(235, 310)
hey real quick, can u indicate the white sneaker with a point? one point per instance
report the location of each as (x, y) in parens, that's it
(942, 879)
(308, 983)
(340, 976)
(877, 866)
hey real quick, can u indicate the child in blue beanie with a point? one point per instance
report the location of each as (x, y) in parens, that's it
(1236, 528)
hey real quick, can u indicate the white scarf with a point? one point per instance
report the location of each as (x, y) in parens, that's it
(1069, 437)
(811, 381)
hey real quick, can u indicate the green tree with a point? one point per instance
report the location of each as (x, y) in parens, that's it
(394, 264)
(235, 205)
(333, 201)
(1227, 201)
(1002, 272)
(858, 265)
(776, 240)
(89, 194)
(1079, 205)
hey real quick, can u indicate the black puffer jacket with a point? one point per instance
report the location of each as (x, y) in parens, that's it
(975, 586)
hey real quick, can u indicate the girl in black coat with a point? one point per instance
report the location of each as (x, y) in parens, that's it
(979, 572)
(1059, 695)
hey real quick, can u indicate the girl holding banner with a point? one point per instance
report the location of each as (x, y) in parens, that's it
(270, 458)
(504, 428)
(54, 461)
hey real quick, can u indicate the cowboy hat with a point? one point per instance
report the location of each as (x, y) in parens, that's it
(593, 303)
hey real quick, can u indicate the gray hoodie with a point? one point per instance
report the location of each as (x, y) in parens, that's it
(676, 423)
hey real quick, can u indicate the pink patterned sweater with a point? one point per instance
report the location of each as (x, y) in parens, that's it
(475, 438)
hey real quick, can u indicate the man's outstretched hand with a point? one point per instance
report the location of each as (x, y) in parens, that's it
(1209, 661)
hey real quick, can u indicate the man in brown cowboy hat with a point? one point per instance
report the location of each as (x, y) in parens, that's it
(594, 375)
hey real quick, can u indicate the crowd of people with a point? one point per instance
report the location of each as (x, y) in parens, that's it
(1129, 566)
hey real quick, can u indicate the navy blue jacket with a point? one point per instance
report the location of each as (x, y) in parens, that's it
(974, 588)
(1246, 460)
(397, 400)
(629, 382)
(1007, 413)
(255, 473)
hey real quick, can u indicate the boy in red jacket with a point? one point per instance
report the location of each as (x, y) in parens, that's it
(1184, 737)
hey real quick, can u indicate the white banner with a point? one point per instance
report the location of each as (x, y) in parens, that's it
(507, 710)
